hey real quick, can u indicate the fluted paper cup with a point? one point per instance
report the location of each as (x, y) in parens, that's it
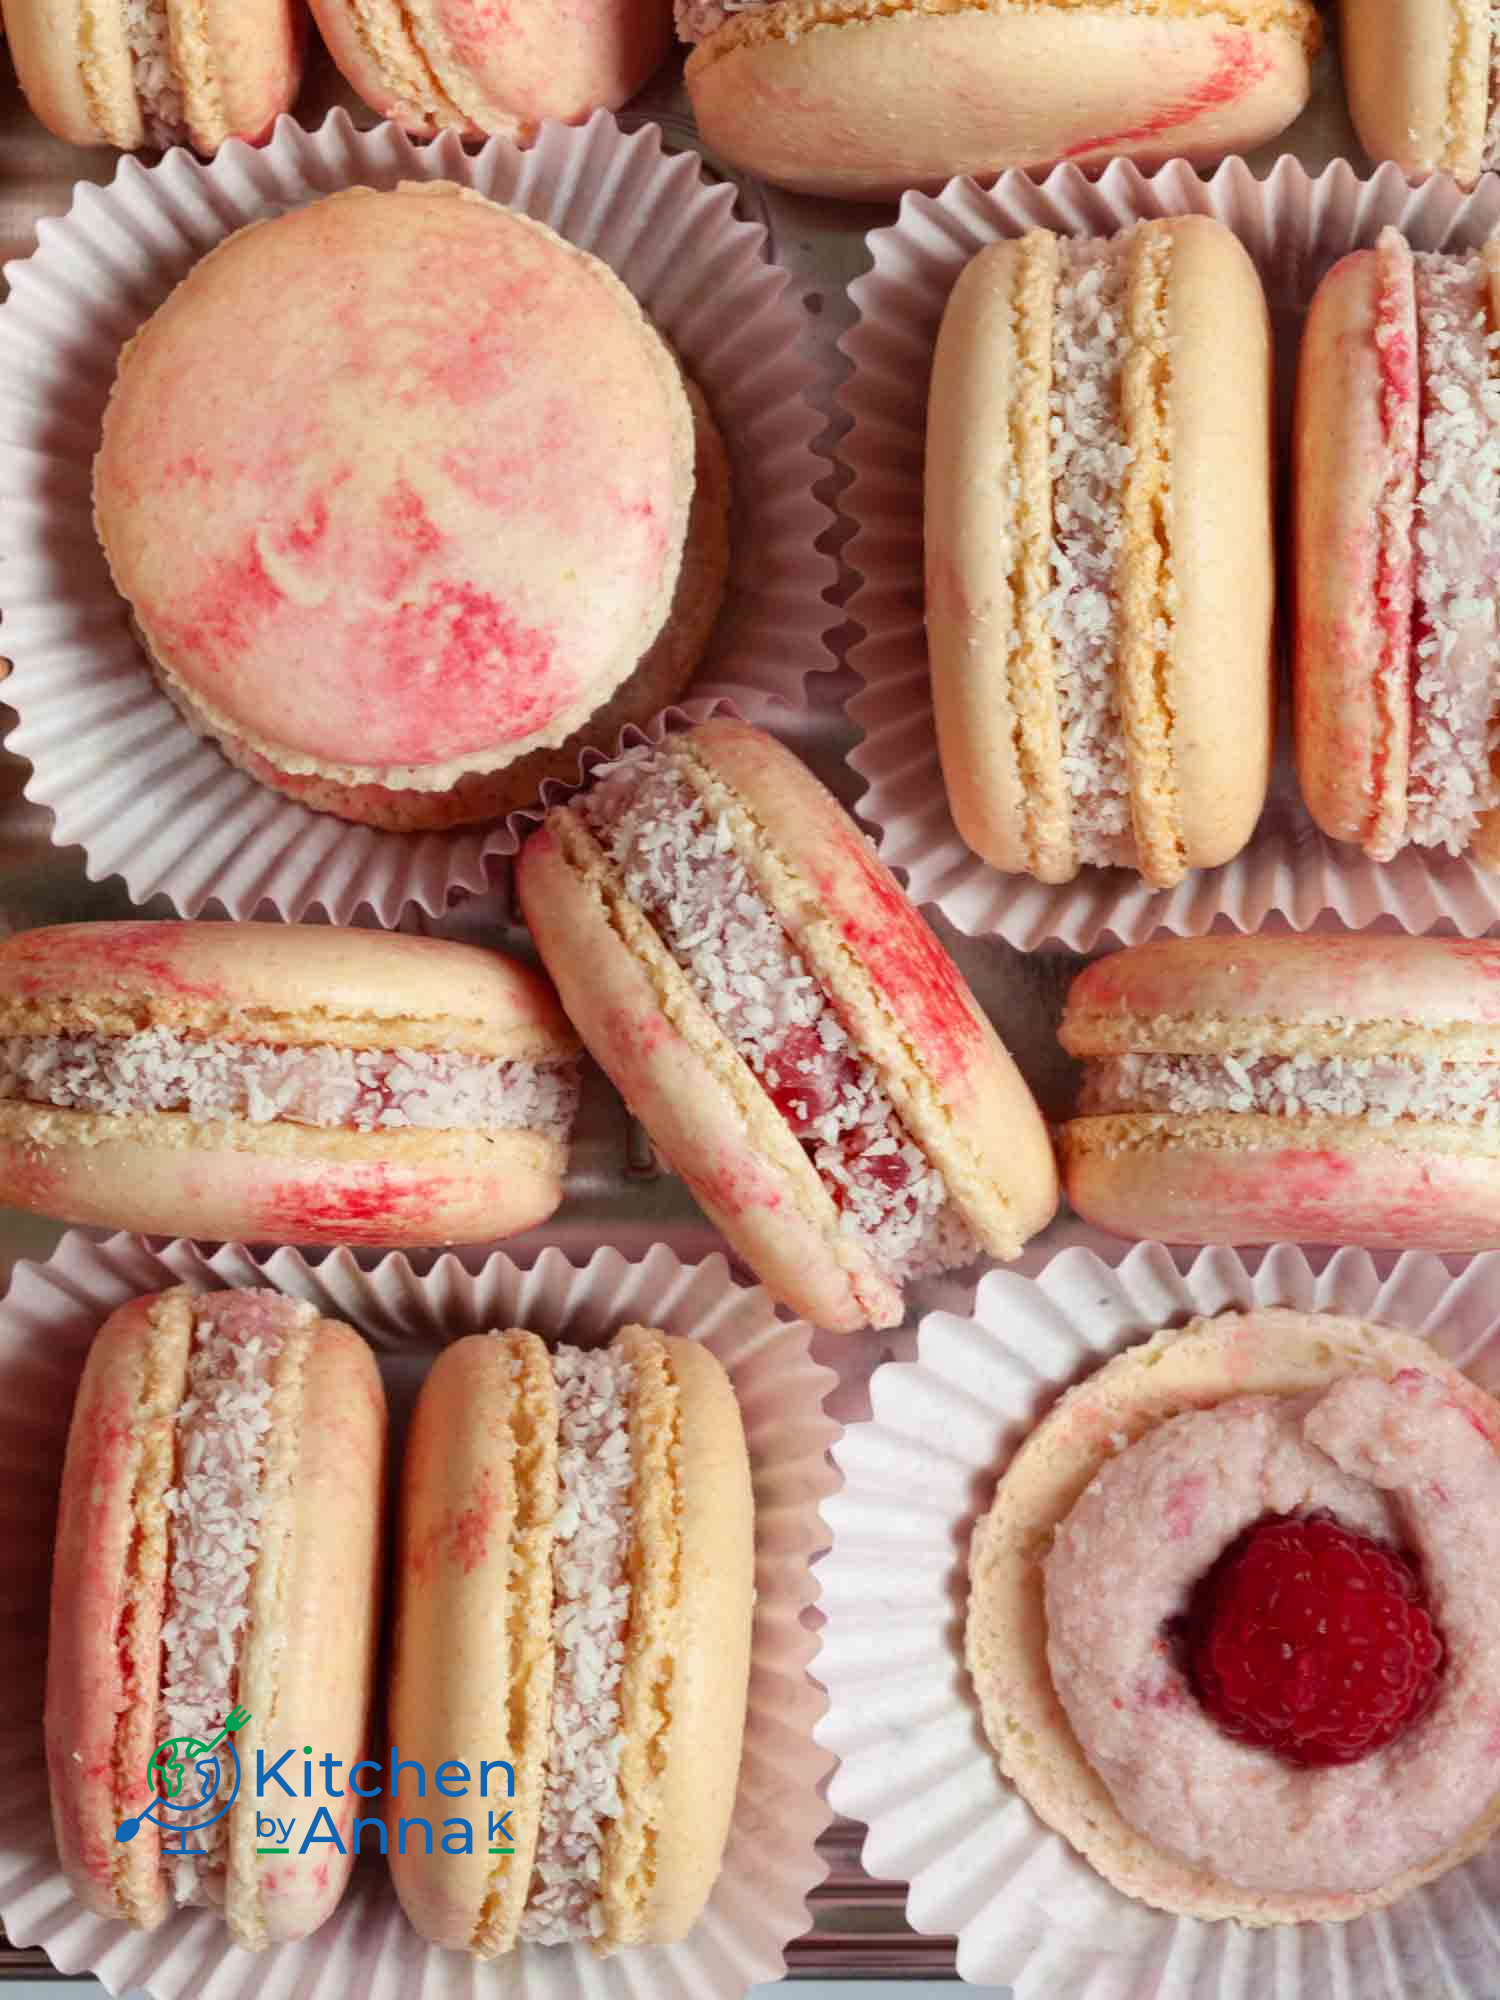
(1294, 227)
(46, 1321)
(121, 771)
(1028, 1911)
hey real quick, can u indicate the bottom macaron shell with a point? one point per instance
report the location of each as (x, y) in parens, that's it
(876, 102)
(1184, 1188)
(478, 1189)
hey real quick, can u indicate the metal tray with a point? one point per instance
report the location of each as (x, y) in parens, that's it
(616, 1194)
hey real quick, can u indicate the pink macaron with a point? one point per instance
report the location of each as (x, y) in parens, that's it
(798, 1044)
(278, 1083)
(1322, 1089)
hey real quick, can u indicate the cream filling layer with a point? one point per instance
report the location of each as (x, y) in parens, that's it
(1383, 1090)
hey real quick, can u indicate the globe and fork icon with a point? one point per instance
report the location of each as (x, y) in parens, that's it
(166, 1772)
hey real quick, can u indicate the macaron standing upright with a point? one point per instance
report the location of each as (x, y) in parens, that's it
(575, 1583)
(154, 73)
(1423, 83)
(280, 1083)
(864, 98)
(409, 500)
(1396, 656)
(798, 1044)
(1316, 1089)
(499, 66)
(1099, 551)
(217, 1556)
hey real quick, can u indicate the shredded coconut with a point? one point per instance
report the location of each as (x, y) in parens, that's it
(698, 19)
(1380, 1090)
(149, 38)
(214, 1515)
(590, 1610)
(680, 866)
(1454, 732)
(1089, 454)
(368, 1089)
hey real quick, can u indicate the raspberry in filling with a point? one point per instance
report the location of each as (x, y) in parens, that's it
(1312, 1640)
(681, 868)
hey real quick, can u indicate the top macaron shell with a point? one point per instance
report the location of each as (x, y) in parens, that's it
(397, 478)
(493, 66)
(236, 63)
(1418, 78)
(856, 99)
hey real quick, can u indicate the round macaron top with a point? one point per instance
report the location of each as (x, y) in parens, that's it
(282, 982)
(396, 484)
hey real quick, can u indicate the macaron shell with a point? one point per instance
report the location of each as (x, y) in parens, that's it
(472, 1657)
(1417, 74)
(239, 64)
(315, 1655)
(690, 1636)
(1352, 528)
(1420, 996)
(390, 561)
(80, 88)
(100, 1723)
(1217, 423)
(849, 98)
(900, 994)
(700, 1102)
(1197, 1366)
(1243, 1179)
(282, 982)
(276, 1183)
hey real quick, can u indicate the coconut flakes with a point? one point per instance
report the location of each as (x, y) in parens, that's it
(148, 36)
(698, 19)
(1381, 1090)
(680, 867)
(590, 1610)
(369, 1090)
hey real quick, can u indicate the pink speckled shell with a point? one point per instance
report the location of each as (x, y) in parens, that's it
(867, 107)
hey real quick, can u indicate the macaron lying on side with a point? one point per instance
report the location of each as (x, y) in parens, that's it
(863, 98)
(500, 66)
(1421, 82)
(796, 1041)
(1319, 1089)
(1099, 551)
(1397, 462)
(277, 1083)
(409, 500)
(154, 73)
(590, 1626)
(218, 1550)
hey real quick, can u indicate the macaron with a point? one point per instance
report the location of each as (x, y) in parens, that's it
(1421, 83)
(1099, 552)
(1275, 1378)
(501, 66)
(403, 494)
(217, 1557)
(798, 1044)
(575, 1581)
(156, 73)
(276, 1083)
(864, 98)
(1318, 1089)
(1397, 460)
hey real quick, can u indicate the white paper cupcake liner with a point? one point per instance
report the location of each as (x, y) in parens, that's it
(123, 775)
(367, 1947)
(1295, 227)
(1027, 1910)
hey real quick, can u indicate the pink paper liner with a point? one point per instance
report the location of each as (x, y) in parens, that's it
(46, 1322)
(1027, 1910)
(125, 778)
(1294, 226)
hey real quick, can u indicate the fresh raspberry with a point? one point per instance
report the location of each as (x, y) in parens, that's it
(1312, 1641)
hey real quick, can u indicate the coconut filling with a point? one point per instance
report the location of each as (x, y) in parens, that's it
(148, 36)
(680, 867)
(1089, 456)
(698, 19)
(1451, 782)
(367, 1090)
(590, 1610)
(214, 1511)
(1382, 1090)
